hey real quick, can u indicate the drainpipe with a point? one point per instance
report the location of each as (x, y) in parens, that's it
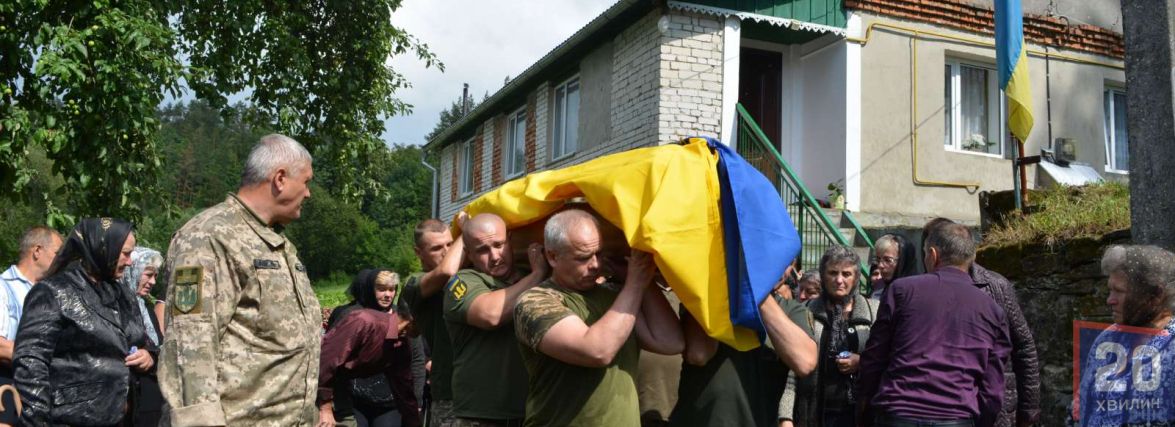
(433, 196)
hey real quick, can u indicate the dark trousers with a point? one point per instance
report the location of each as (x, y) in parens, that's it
(846, 417)
(893, 421)
(376, 416)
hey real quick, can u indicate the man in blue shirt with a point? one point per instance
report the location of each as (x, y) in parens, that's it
(938, 347)
(38, 246)
(37, 249)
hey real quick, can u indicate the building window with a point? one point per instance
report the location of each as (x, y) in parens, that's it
(1117, 142)
(565, 135)
(516, 143)
(467, 167)
(971, 109)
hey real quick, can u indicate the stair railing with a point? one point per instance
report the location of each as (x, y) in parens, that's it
(816, 230)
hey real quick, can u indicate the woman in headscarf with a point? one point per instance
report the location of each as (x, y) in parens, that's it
(895, 258)
(366, 364)
(139, 278)
(842, 320)
(81, 335)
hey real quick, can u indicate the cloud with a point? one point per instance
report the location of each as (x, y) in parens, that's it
(481, 42)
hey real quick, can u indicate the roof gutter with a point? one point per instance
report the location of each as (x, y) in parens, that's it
(524, 79)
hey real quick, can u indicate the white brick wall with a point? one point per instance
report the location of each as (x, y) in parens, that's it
(634, 88)
(690, 99)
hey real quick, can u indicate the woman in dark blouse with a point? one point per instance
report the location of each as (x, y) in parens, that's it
(82, 335)
(366, 360)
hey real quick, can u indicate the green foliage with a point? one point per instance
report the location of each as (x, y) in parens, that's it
(332, 290)
(81, 82)
(1061, 213)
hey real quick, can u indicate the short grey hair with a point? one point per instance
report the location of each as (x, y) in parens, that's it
(809, 276)
(36, 236)
(555, 232)
(955, 245)
(273, 152)
(885, 242)
(1149, 272)
(839, 254)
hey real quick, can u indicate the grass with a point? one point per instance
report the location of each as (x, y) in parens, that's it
(332, 290)
(1061, 213)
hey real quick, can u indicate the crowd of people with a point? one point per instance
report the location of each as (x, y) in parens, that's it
(476, 339)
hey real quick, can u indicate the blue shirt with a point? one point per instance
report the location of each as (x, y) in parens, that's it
(937, 350)
(15, 288)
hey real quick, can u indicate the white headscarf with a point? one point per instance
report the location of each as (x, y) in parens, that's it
(142, 258)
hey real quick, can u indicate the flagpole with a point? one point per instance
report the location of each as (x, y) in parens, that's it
(1017, 173)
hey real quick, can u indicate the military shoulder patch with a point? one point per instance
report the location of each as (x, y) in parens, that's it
(458, 289)
(187, 282)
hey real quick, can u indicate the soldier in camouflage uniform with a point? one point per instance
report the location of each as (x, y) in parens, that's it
(581, 340)
(243, 324)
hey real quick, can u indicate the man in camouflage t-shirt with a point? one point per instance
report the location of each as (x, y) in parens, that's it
(571, 322)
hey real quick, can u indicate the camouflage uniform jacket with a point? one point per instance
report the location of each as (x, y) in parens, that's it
(243, 325)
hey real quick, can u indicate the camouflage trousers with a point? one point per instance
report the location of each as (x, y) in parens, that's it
(440, 414)
(473, 422)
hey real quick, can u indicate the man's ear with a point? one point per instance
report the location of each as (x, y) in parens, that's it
(280, 180)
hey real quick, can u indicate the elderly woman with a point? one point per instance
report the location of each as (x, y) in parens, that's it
(809, 286)
(1133, 358)
(841, 328)
(896, 258)
(139, 278)
(366, 365)
(82, 335)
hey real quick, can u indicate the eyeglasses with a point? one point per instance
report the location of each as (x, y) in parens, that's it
(887, 260)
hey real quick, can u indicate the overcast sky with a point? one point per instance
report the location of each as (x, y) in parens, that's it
(481, 42)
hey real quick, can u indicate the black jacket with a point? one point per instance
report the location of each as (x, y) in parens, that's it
(71, 348)
(1022, 376)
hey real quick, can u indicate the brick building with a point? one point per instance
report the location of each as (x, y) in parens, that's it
(893, 100)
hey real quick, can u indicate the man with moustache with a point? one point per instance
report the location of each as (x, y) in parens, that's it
(581, 339)
(489, 379)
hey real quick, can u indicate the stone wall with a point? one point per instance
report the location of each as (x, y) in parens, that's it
(1056, 286)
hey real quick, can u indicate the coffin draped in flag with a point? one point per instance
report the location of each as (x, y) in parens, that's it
(716, 227)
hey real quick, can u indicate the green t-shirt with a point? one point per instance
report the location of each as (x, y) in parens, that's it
(562, 394)
(736, 388)
(489, 380)
(430, 319)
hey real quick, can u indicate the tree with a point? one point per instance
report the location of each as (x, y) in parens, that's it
(451, 115)
(82, 81)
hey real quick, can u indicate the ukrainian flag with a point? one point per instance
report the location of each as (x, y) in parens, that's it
(716, 227)
(1012, 62)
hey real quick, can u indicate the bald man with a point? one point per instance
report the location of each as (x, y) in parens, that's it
(489, 379)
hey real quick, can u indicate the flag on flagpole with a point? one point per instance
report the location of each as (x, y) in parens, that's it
(1012, 62)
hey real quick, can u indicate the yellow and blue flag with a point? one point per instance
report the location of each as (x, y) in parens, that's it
(1012, 64)
(716, 227)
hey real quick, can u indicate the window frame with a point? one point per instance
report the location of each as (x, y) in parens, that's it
(466, 176)
(996, 109)
(1110, 125)
(515, 134)
(560, 124)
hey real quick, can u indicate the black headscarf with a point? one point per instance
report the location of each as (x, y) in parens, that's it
(907, 259)
(362, 292)
(96, 243)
